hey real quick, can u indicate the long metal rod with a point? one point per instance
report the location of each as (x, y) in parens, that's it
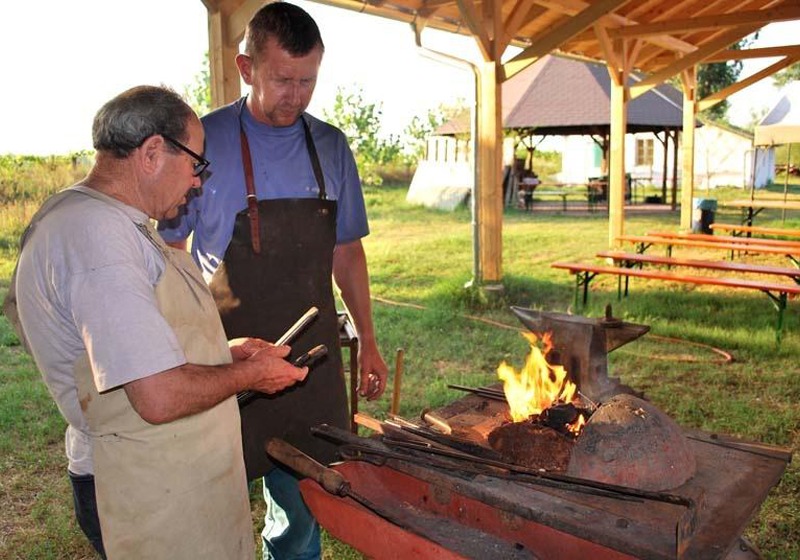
(494, 394)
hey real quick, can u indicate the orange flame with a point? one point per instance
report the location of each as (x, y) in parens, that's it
(539, 385)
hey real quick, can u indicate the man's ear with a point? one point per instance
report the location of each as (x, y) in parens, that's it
(151, 153)
(245, 65)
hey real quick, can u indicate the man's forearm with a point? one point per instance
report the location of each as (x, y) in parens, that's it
(188, 389)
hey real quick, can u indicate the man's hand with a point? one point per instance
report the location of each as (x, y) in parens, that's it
(274, 373)
(374, 373)
(243, 348)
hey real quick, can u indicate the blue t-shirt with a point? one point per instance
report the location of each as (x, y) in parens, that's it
(281, 169)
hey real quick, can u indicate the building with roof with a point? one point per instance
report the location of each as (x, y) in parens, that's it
(569, 99)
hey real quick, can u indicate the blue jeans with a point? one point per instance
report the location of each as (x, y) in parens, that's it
(85, 502)
(290, 531)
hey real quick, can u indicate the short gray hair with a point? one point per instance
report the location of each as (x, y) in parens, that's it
(130, 118)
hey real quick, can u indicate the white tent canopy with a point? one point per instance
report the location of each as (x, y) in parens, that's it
(782, 123)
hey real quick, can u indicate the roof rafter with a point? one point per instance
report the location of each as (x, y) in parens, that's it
(785, 13)
(550, 41)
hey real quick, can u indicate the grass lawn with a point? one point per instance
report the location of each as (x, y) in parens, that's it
(420, 260)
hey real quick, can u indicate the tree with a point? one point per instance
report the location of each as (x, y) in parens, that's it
(712, 78)
(420, 128)
(198, 93)
(787, 75)
(360, 121)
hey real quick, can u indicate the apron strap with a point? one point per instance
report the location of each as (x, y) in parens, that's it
(312, 154)
(247, 165)
(252, 201)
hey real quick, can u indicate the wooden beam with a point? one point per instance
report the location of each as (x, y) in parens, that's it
(722, 94)
(572, 7)
(476, 26)
(759, 17)
(608, 50)
(689, 83)
(488, 191)
(765, 52)
(555, 37)
(617, 130)
(238, 20)
(689, 60)
(523, 12)
(225, 82)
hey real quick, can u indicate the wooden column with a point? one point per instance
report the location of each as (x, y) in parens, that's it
(222, 51)
(489, 187)
(616, 173)
(689, 82)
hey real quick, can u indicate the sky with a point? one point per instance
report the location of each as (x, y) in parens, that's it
(61, 60)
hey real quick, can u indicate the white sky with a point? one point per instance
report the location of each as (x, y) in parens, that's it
(61, 60)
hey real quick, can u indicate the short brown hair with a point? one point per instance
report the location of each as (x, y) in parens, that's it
(295, 30)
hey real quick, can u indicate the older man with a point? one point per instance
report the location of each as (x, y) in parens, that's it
(129, 342)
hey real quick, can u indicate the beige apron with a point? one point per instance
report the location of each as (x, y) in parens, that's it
(176, 490)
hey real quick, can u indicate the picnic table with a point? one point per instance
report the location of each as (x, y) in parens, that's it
(748, 231)
(562, 191)
(629, 265)
(644, 242)
(752, 208)
(793, 245)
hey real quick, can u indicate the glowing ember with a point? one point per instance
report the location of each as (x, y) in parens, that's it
(539, 385)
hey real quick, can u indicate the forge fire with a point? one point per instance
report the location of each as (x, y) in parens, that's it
(545, 411)
(623, 441)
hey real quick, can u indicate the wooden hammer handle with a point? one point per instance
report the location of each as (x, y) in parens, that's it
(332, 481)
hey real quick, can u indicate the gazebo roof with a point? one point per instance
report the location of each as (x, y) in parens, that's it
(563, 96)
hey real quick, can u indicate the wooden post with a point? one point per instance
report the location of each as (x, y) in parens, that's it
(223, 48)
(786, 180)
(689, 81)
(616, 175)
(489, 187)
(674, 189)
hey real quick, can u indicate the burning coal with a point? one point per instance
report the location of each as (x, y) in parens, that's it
(542, 391)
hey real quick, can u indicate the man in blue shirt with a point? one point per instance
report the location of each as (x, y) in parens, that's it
(281, 213)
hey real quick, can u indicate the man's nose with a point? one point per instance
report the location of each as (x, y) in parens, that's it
(296, 93)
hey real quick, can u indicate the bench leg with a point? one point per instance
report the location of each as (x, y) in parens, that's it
(779, 302)
(582, 279)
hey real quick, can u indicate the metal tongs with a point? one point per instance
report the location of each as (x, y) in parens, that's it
(246, 396)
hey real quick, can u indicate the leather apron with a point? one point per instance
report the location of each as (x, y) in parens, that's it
(176, 490)
(264, 284)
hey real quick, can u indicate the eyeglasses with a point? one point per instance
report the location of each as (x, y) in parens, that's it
(200, 164)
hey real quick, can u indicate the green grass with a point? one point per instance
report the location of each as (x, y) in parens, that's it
(420, 261)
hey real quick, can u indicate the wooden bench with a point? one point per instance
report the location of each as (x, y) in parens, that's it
(586, 272)
(752, 208)
(790, 243)
(644, 242)
(739, 230)
(554, 193)
(630, 260)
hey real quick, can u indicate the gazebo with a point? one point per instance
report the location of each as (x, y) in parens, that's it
(562, 96)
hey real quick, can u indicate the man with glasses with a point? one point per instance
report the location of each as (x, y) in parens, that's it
(128, 340)
(282, 211)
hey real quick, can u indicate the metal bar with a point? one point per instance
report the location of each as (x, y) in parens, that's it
(536, 476)
(481, 392)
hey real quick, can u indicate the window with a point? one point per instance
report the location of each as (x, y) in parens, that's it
(644, 151)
